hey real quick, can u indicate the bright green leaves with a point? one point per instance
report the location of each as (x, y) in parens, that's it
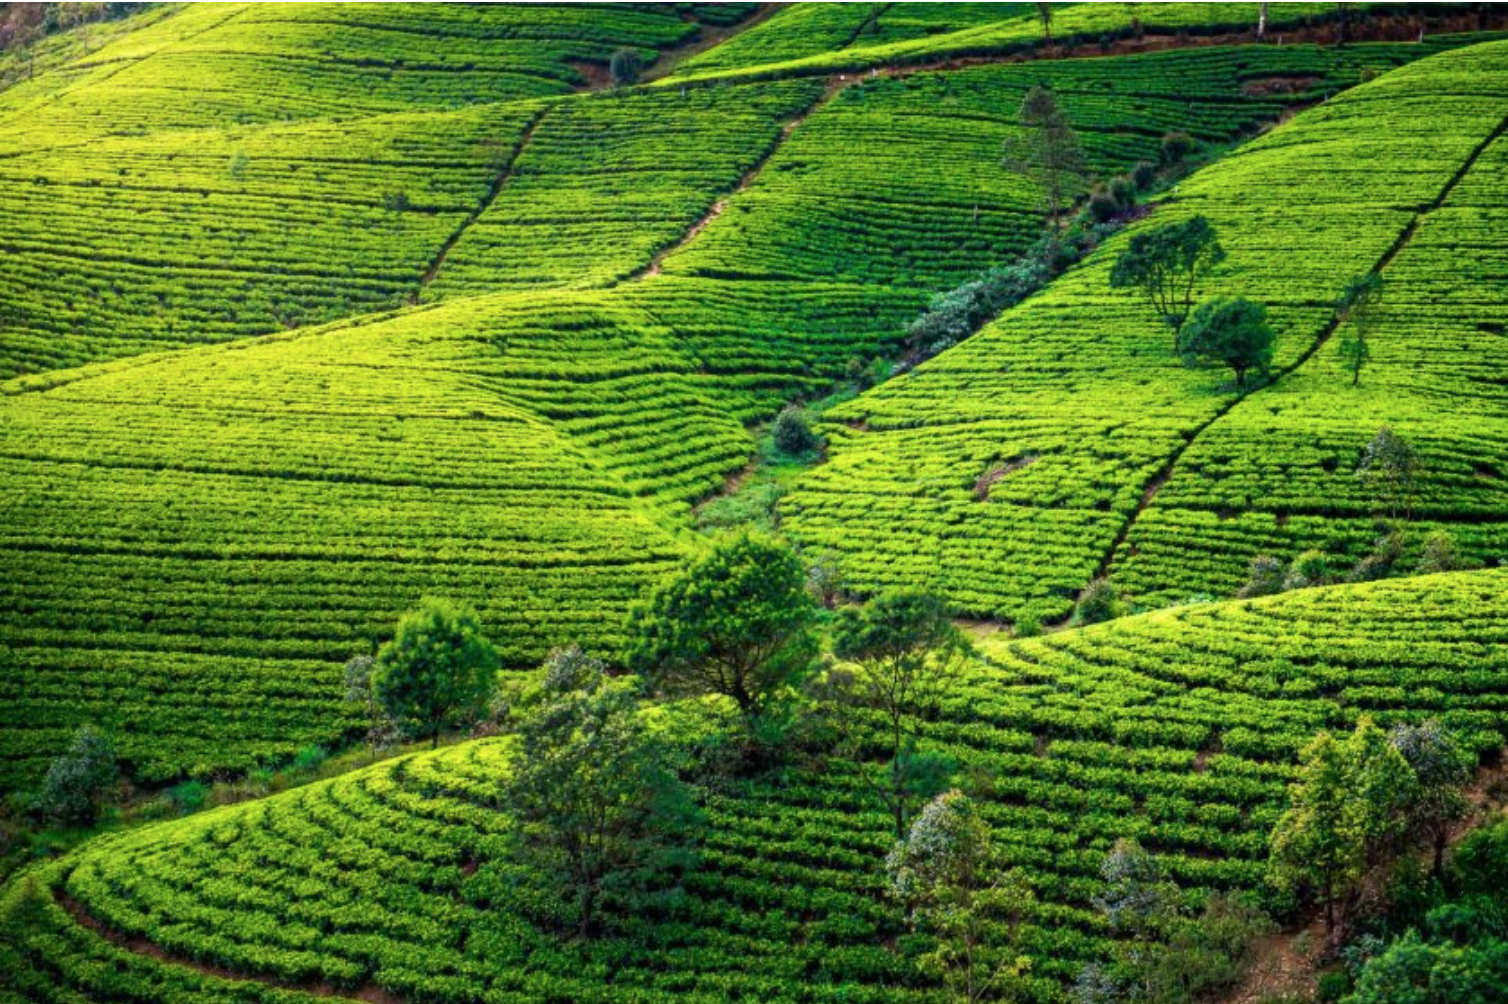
(438, 670)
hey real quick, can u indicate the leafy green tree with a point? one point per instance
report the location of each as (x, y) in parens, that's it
(1356, 313)
(1047, 152)
(81, 781)
(824, 579)
(438, 670)
(382, 733)
(1443, 770)
(1230, 333)
(1138, 898)
(1347, 811)
(793, 433)
(624, 67)
(1439, 554)
(1390, 468)
(1165, 264)
(1098, 603)
(946, 875)
(908, 655)
(737, 622)
(595, 799)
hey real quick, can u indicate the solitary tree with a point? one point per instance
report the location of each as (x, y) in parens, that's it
(1390, 468)
(438, 670)
(625, 67)
(1356, 313)
(907, 654)
(945, 873)
(1442, 769)
(382, 732)
(1044, 12)
(594, 797)
(1047, 152)
(1346, 812)
(738, 622)
(1230, 333)
(1165, 264)
(79, 782)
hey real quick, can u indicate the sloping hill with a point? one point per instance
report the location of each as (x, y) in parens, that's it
(1177, 728)
(1078, 394)
(534, 453)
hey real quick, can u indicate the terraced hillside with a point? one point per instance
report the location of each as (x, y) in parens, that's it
(1077, 394)
(1177, 728)
(532, 435)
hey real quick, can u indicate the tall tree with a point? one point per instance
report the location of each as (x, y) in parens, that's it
(1047, 153)
(946, 875)
(737, 622)
(1044, 14)
(594, 797)
(1442, 769)
(1231, 333)
(439, 669)
(1347, 810)
(907, 654)
(1165, 264)
(1390, 468)
(1356, 313)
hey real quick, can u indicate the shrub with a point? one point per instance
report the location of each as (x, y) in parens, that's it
(1264, 578)
(1143, 174)
(1379, 563)
(80, 781)
(1027, 626)
(1176, 146)
(793, 433)
(1440, 554)
(1124, 190)
(1099, 602)
(309, 759)
(625, 67)
(1103, 205)
(1312, 568)
(188, 796)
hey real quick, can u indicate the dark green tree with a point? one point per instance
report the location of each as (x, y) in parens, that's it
(907, 655)
(439, 669)
(1047, 152)
(793, 433)
(596, 803)
(1165, 265)
(1356, 315)
(1099, 602)
(1443, 770)
(625, 66)
(1231, 333)
(737, 622)
(81, 781)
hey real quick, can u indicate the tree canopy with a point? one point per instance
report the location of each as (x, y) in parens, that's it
(1165, 264)
(438, 670)
(1231, 333)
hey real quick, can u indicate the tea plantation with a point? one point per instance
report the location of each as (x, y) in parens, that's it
(312, 311)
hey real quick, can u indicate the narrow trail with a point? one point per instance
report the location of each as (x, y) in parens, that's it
(1165, 472)
(750, 176)
(499, 182)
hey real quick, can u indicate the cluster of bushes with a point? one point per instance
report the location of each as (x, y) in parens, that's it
(1268, 575)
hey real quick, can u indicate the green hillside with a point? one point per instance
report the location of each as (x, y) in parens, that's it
(311, 312)
(640, 408)
(1176, 728)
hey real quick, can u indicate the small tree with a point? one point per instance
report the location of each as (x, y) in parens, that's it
(625, 66)
(908, 655)
(824, 579)
(382, 733)
(1264, 577)
(1098, 603)
(1165, 264)
(793, 433)
(1443, 770)
(81, 781)
(1346, 812)
(438, 670)
(1175, 147)
(1356, 314)
(1044, 14)
(1440, 555)
(1230, 333)
(1390, 468)
(1138, 898)
(944, 872)
(737, 622)
(594, 797)
(1047, 152)
(1310, 568)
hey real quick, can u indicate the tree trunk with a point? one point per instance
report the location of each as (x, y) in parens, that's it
(1261, 21)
